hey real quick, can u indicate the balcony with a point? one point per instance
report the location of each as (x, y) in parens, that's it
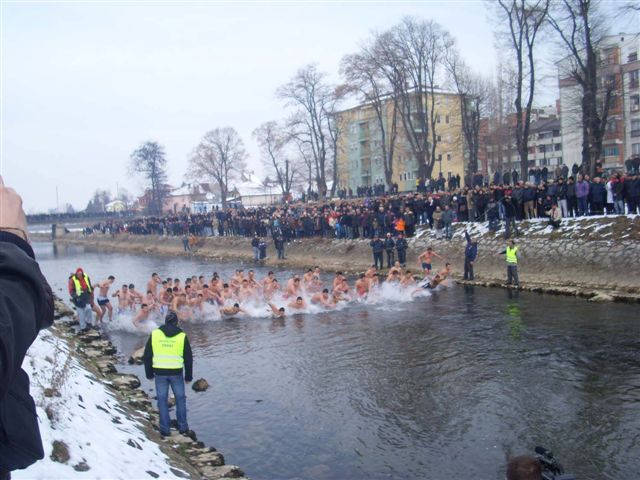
(635, 133)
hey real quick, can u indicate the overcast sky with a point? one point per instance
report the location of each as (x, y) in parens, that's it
(83, 84)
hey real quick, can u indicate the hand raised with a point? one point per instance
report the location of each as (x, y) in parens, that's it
(12, 217)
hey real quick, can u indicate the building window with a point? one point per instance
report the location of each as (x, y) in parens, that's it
(635, 102)
(633, 79)
(439, 138)
(440, 157)
(448, 157)
(446, 119)
(612, 126)
(635, 148)
(437, 118)
(557, 147)
(610, 151)
(632, 57)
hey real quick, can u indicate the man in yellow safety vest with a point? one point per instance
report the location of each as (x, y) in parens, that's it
(166, 354)
(512, 263)
(81, 293)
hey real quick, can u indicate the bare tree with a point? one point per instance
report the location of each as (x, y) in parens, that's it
(315, 103)
(149, 159)
(501, 118)
(524, 20)
(99, 201)
(272, 140)
(580, 27)
(473, 91)
(220, 157)
(304, 157)
(413, 55)
(366, 78)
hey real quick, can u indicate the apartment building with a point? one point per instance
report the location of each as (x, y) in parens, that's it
(498, 147)
(360, 158)
(619, 70)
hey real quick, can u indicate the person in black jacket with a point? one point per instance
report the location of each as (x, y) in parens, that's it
(166, 353)
(509, 217)
(26, 307)
(470, 254)
(401, 247)
(377, 247)
(389, 245)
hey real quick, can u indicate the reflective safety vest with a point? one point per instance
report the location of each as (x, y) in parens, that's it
(78, 285)
(511, 255)
(168, 352)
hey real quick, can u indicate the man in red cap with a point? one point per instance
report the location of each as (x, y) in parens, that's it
(81, 292)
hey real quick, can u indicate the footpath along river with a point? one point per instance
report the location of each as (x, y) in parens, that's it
(444, 386)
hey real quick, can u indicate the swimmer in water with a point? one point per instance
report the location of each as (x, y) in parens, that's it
(297, 304)
(362, 286)
(276, 312)
(446, 271)
(293, 287)
(429, 284)
(229, 312)
(407, 279)
(123, 298)
(142, 315)
(135, 297)
(153, 283)
(425, 259)
(166, 297)
(323, 298)
(103, 298)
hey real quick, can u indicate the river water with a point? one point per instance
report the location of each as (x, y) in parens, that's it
(442, 387)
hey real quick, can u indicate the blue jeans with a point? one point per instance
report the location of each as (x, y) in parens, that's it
(582, 206)
(162, 390)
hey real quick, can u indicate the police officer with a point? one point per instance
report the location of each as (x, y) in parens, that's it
(512, 263)
(166, 354)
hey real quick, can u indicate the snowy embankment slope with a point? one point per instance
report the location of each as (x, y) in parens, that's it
(101, 438)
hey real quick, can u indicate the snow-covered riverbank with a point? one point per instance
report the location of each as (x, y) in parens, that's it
(78, 414)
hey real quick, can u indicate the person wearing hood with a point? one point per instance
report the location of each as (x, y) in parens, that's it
(81, 293)
(167, 355)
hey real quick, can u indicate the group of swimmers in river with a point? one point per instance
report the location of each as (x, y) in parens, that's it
(190, 298)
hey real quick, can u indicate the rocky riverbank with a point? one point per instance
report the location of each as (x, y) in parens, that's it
(592, 257)
(188, 457)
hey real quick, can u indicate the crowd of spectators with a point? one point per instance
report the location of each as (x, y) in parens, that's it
(370, 216)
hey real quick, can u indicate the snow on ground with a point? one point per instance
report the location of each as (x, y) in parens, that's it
(87, 418)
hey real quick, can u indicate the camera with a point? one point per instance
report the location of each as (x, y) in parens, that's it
(551, 468)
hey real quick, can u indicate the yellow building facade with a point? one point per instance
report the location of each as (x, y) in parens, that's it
(360, 158)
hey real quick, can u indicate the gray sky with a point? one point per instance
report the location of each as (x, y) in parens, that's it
(83, 84)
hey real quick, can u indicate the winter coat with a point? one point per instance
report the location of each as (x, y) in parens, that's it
(26, 307)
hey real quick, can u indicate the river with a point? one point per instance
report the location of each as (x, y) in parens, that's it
(442, 387)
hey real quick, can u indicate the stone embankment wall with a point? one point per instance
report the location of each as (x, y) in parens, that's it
(590, 257)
